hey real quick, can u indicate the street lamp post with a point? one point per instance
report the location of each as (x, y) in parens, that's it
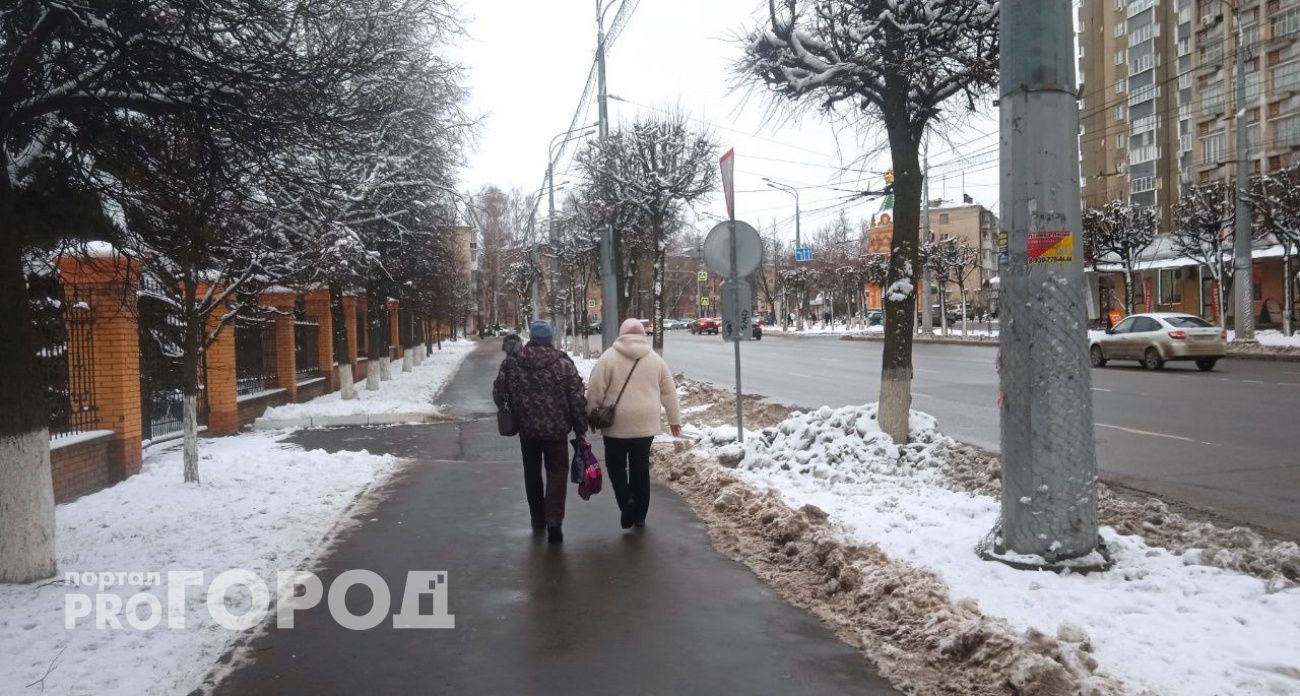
(1243, 282)
(558, 315)
(798, 240)
(609, 239)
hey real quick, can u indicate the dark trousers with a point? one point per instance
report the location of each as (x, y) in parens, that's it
(553, 456)
(628, 462)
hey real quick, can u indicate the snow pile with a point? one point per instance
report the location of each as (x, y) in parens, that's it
(264, 506)
(1159, 620)
(408, 395)
(584, 365)
(1271, 338)
(836, 446)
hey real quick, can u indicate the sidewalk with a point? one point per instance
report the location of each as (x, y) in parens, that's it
(606, 612)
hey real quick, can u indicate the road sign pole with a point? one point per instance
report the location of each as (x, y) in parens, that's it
(736, 302)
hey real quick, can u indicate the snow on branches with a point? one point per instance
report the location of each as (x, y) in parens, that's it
(1119, 231)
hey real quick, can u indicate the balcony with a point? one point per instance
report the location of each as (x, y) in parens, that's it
(1146, 183)
(1147, 153)
(1137, 7)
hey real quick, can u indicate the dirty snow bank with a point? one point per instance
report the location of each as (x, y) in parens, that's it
(408, 394)
(1158, 620)
(264, 505)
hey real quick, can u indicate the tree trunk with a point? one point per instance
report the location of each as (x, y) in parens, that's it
(1288, 302)
(26, 484)
(1128, 289)
(194, 330)
(904, 268)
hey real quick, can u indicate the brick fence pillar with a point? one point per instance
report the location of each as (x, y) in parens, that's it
(286, 365)
(394, 330)
(222, 376)
(108, 284)
(316, 305)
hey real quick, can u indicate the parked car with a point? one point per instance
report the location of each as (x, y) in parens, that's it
(1156, 338)
(706, 325)
(875, 317)
(675, 324)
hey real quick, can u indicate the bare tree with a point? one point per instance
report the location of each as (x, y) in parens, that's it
(655, 167)
(899, 61)
(1203, 226)
(951, 261)
(1123, 230)
(1275, 209)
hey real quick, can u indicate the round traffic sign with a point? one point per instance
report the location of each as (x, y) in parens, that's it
(749, 248)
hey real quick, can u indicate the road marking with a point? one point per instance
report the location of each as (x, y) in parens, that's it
(1253, 381)
(916, 393)
(1100, 389)
(932, 372)
(1135, 431)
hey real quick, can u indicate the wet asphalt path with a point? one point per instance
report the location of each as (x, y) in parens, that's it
(657, 612)
(1227, 441)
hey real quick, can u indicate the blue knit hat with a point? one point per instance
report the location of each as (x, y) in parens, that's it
(540, 332)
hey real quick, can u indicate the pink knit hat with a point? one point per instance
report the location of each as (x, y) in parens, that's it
(631, 326)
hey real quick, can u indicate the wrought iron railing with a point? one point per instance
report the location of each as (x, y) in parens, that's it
(306, 349)
(64, 357)
(254, 356)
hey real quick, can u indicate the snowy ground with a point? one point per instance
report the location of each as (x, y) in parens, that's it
(1157, 620)
(1272, 338)
(264, 506)
(408, 395)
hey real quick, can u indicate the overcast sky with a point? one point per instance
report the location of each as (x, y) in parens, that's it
(528, 62)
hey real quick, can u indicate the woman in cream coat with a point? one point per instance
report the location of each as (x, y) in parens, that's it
(650, 391)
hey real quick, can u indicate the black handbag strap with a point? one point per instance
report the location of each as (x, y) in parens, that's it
(629, 379)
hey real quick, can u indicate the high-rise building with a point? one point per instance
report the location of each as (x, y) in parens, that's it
(1158, 94)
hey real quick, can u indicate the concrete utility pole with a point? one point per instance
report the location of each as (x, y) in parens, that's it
(1049, 465)
(798, 243)
(609, 318)
(559, 317)
(1243, 282)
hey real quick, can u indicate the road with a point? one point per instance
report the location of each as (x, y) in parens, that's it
(1226, 441)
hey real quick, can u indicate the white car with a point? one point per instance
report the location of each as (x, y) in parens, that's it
(1156, 338)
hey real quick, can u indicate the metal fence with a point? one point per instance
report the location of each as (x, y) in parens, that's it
(162, 373)
(306, 349)
(64, 357)
(254, 356)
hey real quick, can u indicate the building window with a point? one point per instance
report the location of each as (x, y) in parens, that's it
(1212, 148)
(1119, 87)
(1119, 56)
(1119, 29)
(1119, 112)
(1287, 77)
(1212, 99)
(1286, 23)
(943, 218)
(1121, 142)
(1171, 290)
(1286, 131)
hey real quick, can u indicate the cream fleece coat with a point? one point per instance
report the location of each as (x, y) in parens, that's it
(650, 390)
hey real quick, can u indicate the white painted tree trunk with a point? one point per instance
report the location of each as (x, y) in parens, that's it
(964, 326)
(190, 422)
(26, 508)
(408, 359)
(347, 387)
(372, 375)
(895, 403)
(1288, 303)
(385, 369)
(418, 353)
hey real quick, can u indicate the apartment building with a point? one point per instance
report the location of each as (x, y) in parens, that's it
(970, 222)
(1158, 93)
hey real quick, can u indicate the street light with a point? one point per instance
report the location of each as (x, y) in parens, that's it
(798, 240)
(1243, 282)
(558, 317)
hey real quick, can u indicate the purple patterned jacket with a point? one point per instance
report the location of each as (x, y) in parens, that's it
(544, 391)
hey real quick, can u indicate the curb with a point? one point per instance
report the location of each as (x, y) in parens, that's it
(990, 343)
(338, 421)
(984, 343)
